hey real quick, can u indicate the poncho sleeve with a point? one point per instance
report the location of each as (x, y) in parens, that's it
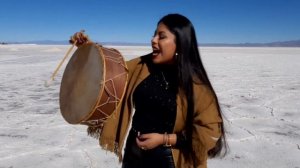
(206, 124)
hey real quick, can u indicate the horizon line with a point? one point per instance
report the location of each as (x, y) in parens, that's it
(290, 43)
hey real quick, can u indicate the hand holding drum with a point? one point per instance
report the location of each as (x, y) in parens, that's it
(79, 38)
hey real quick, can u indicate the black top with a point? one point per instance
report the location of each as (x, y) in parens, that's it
(155, 101)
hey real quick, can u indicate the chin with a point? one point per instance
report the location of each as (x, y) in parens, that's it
(156, 62)
(155, 59)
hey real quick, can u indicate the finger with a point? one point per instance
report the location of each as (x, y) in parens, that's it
(145, 136)
(141, 137)
(140, 143)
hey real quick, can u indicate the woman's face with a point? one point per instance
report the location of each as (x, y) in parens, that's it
(163, 45)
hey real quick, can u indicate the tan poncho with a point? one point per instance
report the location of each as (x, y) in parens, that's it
(206, 130)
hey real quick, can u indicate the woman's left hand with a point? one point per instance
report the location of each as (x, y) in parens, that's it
(149, 141)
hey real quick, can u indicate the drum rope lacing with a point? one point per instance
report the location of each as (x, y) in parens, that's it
(112, 94)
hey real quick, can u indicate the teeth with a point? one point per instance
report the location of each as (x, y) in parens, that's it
(155, 52)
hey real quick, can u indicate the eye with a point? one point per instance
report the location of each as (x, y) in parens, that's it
(162, 37)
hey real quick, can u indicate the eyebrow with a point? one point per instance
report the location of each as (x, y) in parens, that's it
(160, 32)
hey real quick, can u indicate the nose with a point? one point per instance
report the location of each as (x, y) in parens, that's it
(154, 40)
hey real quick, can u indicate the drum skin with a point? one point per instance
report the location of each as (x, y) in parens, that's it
(93, 85)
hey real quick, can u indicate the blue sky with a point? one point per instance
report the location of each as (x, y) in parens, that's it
(215, 21)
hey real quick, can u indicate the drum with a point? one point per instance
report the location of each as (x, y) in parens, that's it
(93, 85)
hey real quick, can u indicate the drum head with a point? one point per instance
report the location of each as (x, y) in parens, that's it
(81, 83)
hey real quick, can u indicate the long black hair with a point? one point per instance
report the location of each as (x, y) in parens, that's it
(190, 67)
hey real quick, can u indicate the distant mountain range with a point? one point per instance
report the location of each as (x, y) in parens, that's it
(292, 43)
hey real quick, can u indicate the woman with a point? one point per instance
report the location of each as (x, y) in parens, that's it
(170, 115)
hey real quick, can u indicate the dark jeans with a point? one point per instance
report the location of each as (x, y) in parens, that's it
(135, 157)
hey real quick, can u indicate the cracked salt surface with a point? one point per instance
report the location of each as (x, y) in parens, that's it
(258, 88)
